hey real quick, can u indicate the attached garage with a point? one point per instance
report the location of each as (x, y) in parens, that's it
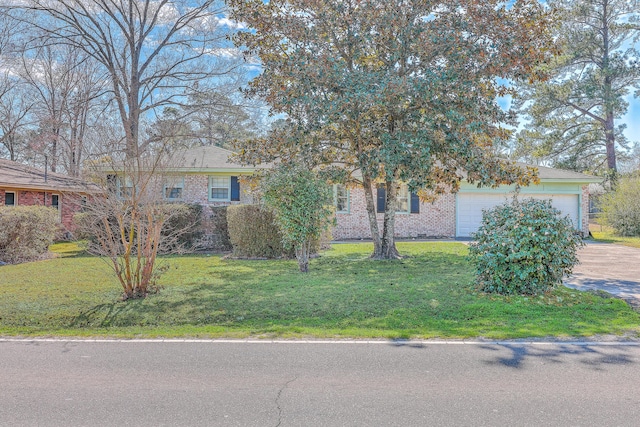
(566, 189)
(469, 207)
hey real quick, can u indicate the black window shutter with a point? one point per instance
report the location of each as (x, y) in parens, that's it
(415, 203)
(381, 198)
(235, 189)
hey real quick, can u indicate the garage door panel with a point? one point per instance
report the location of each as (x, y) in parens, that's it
(470, 207)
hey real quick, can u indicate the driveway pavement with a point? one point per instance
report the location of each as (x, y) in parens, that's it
(608, 267)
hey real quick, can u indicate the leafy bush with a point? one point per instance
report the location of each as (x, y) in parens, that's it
(185, 225)
(301, 202)
(26, 232)
(524, 247)
(215, 232)
(621, 207)
(253, 233)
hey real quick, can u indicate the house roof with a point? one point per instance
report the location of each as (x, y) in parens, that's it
(545, 174)
(18, 176)
(553, 174)
(216, 159)
(207, 159)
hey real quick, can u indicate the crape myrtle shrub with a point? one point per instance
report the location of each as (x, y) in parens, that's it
(523, 247)
(191, 227)
(253, 233)
(180, 233)
(621, 207)
(26, 232)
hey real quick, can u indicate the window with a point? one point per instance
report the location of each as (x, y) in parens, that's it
(219, 188)
(224, 189)
(341, 198)
(55, 201)
(407, 203)
(10, 198)
(125, 187)
(403, 199)
(173, 189)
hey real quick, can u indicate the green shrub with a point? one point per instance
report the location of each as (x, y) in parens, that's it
(185, 225)
(215, 232)
(301, 203)
(621, 207)
(523, 247)
(26, 232)
(253, 233)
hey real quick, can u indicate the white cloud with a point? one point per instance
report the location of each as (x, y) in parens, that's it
(226, 22)
(225, 52)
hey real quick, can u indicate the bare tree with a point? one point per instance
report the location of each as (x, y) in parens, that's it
(151, 50)
(153, 53)
(14, 105)
(129, 223)
(50, 80)
(10, 28)
(15, 108)
(82, 109)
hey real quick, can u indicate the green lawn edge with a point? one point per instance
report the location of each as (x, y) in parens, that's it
(427, 295)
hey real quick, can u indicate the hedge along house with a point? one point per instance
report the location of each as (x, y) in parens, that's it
(204, 175)
(22, 185)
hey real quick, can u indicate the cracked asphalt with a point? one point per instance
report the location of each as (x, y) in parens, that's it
(608, 267)
(137, 383)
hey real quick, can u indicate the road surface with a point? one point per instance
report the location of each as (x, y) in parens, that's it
(208, 383)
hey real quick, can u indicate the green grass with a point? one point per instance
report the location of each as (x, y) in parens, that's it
(428, 294)
(606, 234)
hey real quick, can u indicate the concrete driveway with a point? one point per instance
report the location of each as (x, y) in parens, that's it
(608, 267)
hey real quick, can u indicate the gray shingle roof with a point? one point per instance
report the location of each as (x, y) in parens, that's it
(550, 174)
(19, 176)
(208, 158)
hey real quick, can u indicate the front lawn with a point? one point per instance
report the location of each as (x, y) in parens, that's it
(426, 295)
(607, 235)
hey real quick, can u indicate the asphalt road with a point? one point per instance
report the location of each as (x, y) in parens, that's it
(317, 384)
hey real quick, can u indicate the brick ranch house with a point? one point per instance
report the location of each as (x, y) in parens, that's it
(22, 185)
(204, 175)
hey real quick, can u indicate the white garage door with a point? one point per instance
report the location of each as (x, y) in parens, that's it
(470, 206)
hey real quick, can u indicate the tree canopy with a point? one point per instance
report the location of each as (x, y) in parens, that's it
(572, 116)
(400, 91)
(152, 52)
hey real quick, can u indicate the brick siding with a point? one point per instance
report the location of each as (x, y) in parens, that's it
(69, 203)
(585, 210)
(435, 219)
(196, 190)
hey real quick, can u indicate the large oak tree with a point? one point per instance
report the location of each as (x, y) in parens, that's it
(401, 91)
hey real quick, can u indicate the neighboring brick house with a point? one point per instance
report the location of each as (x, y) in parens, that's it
(204, 175)
(22, 185)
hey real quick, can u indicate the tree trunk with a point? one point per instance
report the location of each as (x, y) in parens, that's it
(373, 220)
(389, 250)
(302, 254)
(610, 143)
(54, 153)
(609, 127)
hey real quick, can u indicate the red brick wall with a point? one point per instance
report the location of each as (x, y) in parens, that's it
(69, 203)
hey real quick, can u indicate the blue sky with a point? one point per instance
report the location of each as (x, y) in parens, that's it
(632, 119)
